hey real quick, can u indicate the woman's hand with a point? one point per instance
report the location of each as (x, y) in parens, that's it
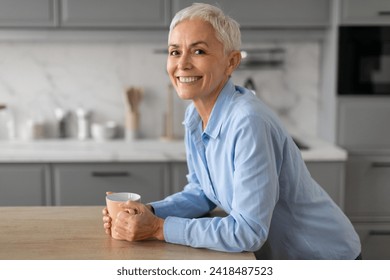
(106, 221)
(137, 222)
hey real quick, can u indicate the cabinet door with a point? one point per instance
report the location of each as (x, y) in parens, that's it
(271, 13)
(363, 123)
(28, 13)
(24, 185)
(375, 239)
(115, 13)
(365, 12)
(368, 188)
(331, 176)
(86, 184)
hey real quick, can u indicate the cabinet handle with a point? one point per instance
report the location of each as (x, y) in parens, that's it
(384, 13)
(110, 174)
(379, 232)
(381, 164)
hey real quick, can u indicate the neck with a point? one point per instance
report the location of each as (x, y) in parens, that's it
(204, 111)
(204, 106)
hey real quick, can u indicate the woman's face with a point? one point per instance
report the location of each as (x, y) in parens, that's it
(197, 64)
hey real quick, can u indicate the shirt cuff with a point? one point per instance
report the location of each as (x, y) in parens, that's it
(162, 208)
(174, 229)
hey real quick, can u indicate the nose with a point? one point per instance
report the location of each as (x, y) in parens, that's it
(184, 62)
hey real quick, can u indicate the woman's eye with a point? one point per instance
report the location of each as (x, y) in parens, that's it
(174, 53)
(199, 52)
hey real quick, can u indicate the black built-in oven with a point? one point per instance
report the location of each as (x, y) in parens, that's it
(364, 60)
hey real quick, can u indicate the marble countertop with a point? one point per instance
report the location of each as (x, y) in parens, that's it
(55, 151)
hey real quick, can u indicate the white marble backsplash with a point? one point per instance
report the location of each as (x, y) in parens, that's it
(292, 90)
(38, 77)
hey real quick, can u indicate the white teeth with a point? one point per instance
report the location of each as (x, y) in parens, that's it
(188, 79)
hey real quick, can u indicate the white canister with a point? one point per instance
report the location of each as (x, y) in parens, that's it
(34, 130)
(7, 124)
(83, 124)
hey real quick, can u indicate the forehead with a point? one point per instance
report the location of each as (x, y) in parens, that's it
(193, 30)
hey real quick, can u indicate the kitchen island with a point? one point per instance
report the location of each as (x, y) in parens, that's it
(76, 233)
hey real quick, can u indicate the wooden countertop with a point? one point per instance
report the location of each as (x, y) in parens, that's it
(76, 233)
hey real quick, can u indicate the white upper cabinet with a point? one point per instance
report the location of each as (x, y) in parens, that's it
(365, 12)
(271, 13)
(28, 13)
(115, 13)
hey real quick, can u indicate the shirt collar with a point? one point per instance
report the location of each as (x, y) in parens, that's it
(214, 125)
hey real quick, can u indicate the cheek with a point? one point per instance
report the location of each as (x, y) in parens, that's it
(170, 67)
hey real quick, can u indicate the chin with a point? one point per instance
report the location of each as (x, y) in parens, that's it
(184, 96)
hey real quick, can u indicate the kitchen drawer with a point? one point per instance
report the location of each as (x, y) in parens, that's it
(375, 239)
(365, 12)
(86, 184)
(368, 188)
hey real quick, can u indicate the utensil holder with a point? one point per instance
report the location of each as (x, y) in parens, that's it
(132, 125)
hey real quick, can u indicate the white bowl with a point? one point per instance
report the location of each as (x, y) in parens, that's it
(103, 132)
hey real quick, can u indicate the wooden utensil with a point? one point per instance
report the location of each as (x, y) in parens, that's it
(133, 97)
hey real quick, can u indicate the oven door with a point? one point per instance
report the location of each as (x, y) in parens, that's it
(364, 60)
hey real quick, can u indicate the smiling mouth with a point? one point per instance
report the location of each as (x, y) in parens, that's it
(187, 80)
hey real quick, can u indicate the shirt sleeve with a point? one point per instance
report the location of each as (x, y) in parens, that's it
(189, 203)
(255, 193)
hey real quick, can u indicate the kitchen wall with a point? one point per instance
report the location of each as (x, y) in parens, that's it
(36, 77)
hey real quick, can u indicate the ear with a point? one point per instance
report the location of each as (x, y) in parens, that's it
(234, 61)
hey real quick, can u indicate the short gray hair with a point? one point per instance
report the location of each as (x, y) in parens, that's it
(227, 29)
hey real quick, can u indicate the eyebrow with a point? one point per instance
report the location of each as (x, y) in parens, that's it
(192, 45)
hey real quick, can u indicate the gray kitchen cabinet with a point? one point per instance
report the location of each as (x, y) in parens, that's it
(368, 187)
(271, 13)
(362, 123)
(330, 175)
(28, 13)
(152, 14)
(367, 202)
(375, 240)
(24, 184)
(115, 13)
(87, 183)
(364, 131)
(365, 12)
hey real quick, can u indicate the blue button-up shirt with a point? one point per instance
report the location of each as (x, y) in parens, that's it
(246, 163)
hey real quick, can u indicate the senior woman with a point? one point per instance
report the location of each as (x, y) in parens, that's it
(240, 158)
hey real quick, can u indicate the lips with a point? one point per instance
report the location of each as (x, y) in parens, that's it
(187, 80)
